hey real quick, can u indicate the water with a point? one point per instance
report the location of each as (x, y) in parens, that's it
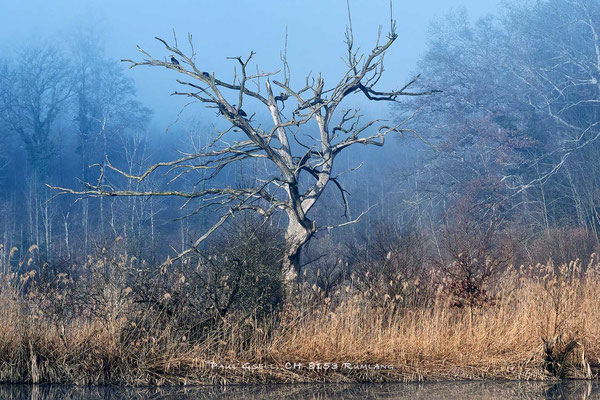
(442, 390)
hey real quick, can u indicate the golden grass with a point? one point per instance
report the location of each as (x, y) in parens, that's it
(559, 306)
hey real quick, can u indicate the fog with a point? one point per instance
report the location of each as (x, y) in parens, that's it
(444, 125)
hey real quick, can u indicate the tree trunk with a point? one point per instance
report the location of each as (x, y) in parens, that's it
(297, 235)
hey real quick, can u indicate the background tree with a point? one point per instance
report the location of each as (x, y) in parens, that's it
(105, 104)
(37, 89)
(109, 120)
(5, 142)
(36, 92)
(518, 117)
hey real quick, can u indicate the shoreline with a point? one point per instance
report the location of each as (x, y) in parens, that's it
(244, 374)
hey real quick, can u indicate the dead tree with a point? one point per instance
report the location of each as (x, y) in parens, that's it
(309, 158)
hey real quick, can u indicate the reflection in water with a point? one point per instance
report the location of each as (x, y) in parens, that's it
(442, 390)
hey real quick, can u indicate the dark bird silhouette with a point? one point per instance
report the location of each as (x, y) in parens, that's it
(223, 111)
(241, 112)
(206, 74)
(174, 60)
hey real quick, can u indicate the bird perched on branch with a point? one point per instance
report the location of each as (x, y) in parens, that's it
(174, 60)
(241, 112)
(223, 111)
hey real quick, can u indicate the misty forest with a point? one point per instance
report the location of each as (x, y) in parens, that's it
(353, 224)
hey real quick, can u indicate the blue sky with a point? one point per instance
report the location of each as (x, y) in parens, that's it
(231, 28)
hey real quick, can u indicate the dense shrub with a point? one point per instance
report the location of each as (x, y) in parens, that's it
(389, 265)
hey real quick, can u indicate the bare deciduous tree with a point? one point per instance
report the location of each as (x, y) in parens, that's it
(300, 166)
(32, 99)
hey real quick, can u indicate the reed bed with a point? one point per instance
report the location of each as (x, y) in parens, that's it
(543, 323)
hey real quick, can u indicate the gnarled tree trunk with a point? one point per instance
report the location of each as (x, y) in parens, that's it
(297, 235)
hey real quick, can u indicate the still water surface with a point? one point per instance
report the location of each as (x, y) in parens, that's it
(442, 390)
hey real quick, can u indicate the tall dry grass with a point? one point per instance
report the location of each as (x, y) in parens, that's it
(543, 323)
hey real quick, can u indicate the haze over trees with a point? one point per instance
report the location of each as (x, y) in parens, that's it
(506, 152)
(517, 124)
